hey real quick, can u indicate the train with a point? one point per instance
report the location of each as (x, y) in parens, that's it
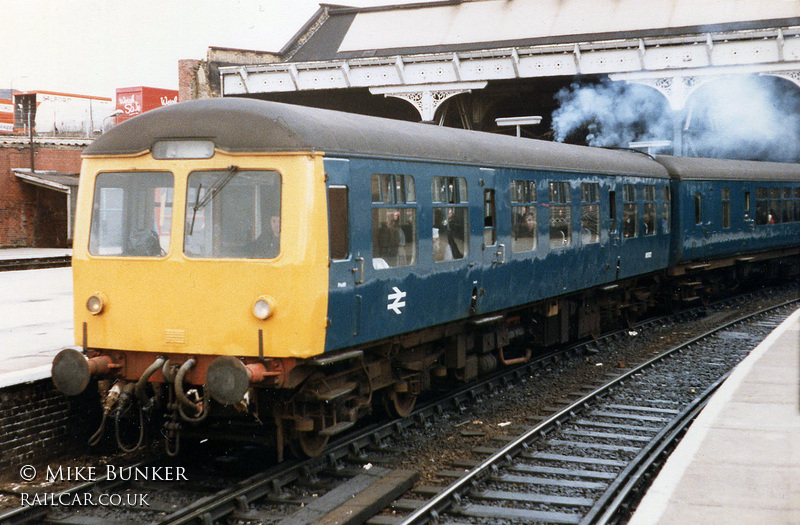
(297, 268)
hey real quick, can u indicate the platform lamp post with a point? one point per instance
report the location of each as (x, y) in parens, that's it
(116, 113)
(518, 122)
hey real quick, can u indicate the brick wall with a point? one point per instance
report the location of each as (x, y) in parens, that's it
(31, 216)
(192, 80)
(200, 78)
(38, 423)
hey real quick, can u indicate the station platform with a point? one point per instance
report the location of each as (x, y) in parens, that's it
(7, 254)
(35, 321)
(33, 258)
(739, 462)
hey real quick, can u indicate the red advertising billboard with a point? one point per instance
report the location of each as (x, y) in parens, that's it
(133, 101)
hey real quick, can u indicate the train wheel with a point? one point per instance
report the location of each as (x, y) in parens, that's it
(630, 317)
(400, 404)
(309, 444)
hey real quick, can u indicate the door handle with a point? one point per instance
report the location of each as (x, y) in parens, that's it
(501, 254)
(359, 270)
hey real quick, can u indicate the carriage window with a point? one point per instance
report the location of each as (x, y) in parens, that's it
(649, 218)
(338, 222)
(747, 206)
(630, 212)
(394, 228)
(726, 207)
(450, 235)
(612, 211)
(524, 222)
(797, 205)
(391, 189)
(698, 208)
(560, 215)
(233, 214)
(489, 227)
(449, 190)
(666, 197)
(131, 214)
(590, 212)
(786, 205)
(775, 215)
(762, 206)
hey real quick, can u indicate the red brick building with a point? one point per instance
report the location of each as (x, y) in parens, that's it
(36, 209)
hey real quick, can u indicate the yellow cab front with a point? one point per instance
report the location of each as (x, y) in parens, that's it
(181, 258)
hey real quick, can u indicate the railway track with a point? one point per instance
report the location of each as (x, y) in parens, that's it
(578, 455)
(583, 464)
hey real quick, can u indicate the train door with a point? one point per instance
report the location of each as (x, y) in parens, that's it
(614, 261)
(493, 253)
(346, 265)
(700, 225)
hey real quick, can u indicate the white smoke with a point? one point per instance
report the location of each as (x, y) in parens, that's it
(746, 118)
(611, 114)
(742, 117)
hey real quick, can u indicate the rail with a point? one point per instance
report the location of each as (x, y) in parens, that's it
(432, 509)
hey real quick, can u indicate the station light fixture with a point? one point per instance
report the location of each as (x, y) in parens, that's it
(518, 122)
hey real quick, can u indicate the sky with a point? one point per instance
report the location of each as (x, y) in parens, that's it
(92, 47)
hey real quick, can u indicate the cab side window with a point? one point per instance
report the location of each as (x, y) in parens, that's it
(394, 221)
(339, 223)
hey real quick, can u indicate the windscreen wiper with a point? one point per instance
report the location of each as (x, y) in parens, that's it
(216, 188)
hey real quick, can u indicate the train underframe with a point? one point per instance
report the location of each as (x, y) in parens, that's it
(306, 402)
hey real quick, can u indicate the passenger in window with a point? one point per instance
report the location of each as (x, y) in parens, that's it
(649, 224)
(144, 243)
(525, 233)
(267, 245)
(453, 228)
(628, 226)
(392, 240)
(441, 247)
(528, 226)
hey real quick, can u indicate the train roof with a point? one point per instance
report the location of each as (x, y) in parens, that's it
(249, 125)
(689, 168)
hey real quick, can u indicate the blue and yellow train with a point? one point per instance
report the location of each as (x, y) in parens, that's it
(302, 265)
